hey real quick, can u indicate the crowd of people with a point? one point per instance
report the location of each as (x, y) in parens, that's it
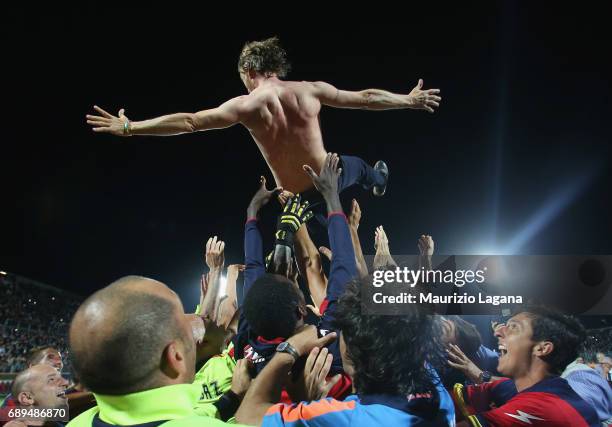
(31, 315)
(287, 343)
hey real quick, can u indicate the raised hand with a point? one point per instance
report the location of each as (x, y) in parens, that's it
(383, 257)
(355, 216)
(381, 242)
(283, 196)
(209, 285)
(295, 213)
(107, 123)
(424, 99)
(316, 370)
(327, 181)
(261, 198)
(426, 245)
(215, 253)
(326, 252)
(458, 360)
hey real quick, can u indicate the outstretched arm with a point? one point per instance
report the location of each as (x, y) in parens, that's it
(229, 304)
(382, 258)
(253, 243)
(353, 219)
(308, 259)
(226, 115)
(377, 99)
(426, 250)
(309, 263)
(295, 213)
(215, 260)
(343, 267)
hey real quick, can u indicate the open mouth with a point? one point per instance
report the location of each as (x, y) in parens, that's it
(62, 394)
(502, 350)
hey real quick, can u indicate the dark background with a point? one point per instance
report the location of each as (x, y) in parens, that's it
(516, 159)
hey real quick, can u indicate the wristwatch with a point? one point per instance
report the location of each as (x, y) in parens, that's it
(285, 347)
(485, 376)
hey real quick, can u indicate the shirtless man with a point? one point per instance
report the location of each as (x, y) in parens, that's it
(283, 118)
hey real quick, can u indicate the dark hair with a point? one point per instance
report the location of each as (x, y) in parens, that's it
(264, 57)
(588, 355)
(467, 336)
(565, 332)
(272, 306)
(391, 354)
(37, 354)
(592, 345)
(126, 359)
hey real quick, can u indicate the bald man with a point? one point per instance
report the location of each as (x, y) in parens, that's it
(282, 117)
(134, 348)
(38, 356)
(40, 386)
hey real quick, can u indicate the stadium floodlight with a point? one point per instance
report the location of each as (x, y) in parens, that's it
(553, 207)
(3, 273)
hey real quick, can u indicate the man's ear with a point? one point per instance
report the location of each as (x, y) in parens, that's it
(302, 311)
(172, 360)
(252, 74)
(25, 398)
(543, 348)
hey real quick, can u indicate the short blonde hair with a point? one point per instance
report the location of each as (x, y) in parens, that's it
(265, 57)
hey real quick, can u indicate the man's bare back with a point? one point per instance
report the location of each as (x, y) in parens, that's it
(283, 118)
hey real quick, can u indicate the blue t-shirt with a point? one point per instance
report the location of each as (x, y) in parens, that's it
(366, 411)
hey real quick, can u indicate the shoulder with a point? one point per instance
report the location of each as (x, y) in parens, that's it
(223, 359)
(237, 102)
(318, 409)
(322, 88)
(547, 407)
(527, 407)
(315, 89)
(217, 368)
(319, 85)
(580, 371)
(556, 396)
(84, 419)
(196, 420)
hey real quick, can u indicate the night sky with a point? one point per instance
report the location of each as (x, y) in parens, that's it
(516, 159)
